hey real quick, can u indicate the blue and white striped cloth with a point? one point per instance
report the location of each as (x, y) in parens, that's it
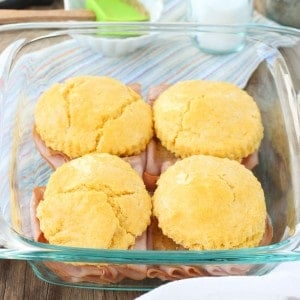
(164, 60)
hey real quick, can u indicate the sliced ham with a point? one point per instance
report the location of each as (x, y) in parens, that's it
(251, 160)
(137, 162)
(158, 241)
(56, 158)
(101, 273)
(155, 91)
(85, 273)
(98, 273)
(222, 270)
(52, 157)
(136, 87)
(165, 272)
(37, 196)
(158, 159)
(137, 272)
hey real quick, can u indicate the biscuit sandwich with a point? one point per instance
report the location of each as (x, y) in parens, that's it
(210, 203)
(88, 114)
(210, 118)
(95, 201)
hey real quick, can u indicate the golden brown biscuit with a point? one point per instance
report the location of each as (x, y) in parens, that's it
(205, 202)
(206, 117)
(97, 201)
(93, 114)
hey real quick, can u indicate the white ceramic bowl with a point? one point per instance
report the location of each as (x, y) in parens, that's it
(118, 46)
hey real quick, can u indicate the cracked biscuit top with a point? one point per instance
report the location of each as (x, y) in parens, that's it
(93, 114)
(95, 201)
(207, 117)
(206, 202)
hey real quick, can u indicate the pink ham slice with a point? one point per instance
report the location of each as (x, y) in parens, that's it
(155, 91)
(137, 162)
(164, 272)
(52, 157)
(37, 196)
(251, 160)
(168, 273)
(87, 272)
(100, 273)
(158, 159)
(241, 269)
(56, 158)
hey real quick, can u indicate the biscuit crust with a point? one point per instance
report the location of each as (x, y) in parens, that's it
(206, 203)
(96, 201)
(93, 114)
(207, 117)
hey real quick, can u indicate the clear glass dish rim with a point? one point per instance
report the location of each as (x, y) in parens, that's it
(36, 251)
(153, 27)
(279, 252)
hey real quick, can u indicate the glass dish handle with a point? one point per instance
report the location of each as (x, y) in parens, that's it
(7, 56)
(9, 239)
(6, 59)
(12, 246)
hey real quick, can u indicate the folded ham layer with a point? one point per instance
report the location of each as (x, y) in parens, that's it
(103, 273)
(97, 273)
(100, 273)
(158, 159)
(165, 272)
(149, 164)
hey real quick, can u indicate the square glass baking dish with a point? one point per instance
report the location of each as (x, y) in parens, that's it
(166, 53)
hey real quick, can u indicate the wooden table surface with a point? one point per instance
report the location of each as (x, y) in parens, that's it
(17, 280)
